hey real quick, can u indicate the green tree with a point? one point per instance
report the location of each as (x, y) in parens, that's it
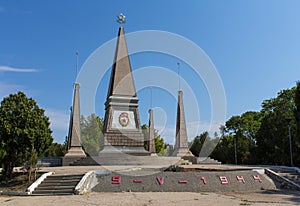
(245, 125)
(198, 143)
(224, 151)
(146, 136)
(24, 131)
(243, 130)
(91, 131)
(297, 118)
(160, 145)
(272, 137)
(56, 150)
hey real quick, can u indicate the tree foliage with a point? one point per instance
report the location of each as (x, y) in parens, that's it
(198, 143)
(224, 151)
(160, 145)
(24, 131)
(297, 119)
(243, 129)
(262, 137)
(91, 131)
(56, 150)
(272, 138)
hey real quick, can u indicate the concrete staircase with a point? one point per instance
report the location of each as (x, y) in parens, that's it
(207, 160)
(288, 173)
(58, 185)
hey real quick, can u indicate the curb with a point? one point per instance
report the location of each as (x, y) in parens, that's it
(34, 185)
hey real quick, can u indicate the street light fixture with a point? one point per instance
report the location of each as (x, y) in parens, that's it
(235, 150)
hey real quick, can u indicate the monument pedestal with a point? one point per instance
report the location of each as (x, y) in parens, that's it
(123, 150)
(74, 154)
(116, 158)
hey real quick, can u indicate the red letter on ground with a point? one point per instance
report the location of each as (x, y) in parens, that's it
(240, 179)
(160, 180)
(116, 180)
(182, 181)
(257, 178)
(203, 180)
(224, 180)
(137, 181)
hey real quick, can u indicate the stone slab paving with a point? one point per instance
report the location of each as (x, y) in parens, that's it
(263, 198)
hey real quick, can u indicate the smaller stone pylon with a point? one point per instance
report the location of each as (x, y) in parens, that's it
(152, 148)
(75, 150)
(181, 148)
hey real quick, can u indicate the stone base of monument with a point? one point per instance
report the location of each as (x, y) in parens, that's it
(185, 154)
(182, 151)
(128, 156)
(115, 159)
(73, 154)
(204, 181)
(126, 150)
(68, 161)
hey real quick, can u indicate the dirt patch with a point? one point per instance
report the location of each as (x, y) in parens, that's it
(17, 183)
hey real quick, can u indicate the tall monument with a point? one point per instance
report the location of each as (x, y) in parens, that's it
(152, 148)
(181, 148)
(122, 131)
(75, 150)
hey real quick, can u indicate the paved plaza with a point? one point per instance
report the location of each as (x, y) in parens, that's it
(273, 198)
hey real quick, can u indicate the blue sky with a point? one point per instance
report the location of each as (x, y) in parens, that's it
(254, 46)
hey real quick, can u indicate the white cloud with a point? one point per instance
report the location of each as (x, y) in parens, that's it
(12, 69)
(59, 119)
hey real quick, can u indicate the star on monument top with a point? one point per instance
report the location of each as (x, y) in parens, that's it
(121, 18)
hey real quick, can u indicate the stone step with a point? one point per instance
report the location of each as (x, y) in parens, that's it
(207, 160)
(289, 174)
(64, 177)
(50, 184)
(54, 191)
(58, 185)
(53, 194)
(61, 179)
(292, 176)
(284, 170)
(53, 187)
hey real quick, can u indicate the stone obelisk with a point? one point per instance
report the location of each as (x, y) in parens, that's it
(75, 150)
(181, 148)
(122, 132)
(152, 148)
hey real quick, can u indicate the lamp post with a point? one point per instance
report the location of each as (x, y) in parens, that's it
(290, 140)
(235, 150)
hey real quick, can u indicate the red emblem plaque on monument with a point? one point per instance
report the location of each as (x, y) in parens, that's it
(124, 119)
